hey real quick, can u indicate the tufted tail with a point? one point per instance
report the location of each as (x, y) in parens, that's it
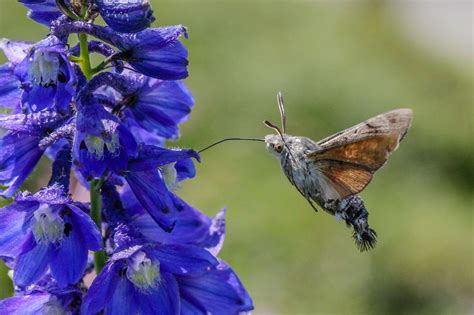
(356, 215)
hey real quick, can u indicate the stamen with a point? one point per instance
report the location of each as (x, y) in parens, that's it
(143, 272)
(170, 176)
(47, 226)
(44, 68)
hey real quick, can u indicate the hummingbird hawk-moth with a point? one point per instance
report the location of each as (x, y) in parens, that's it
(333, 171)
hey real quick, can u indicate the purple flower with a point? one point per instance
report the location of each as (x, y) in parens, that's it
(101, 142)
(126, 16)
(218, 291)
(42, 11)
(46, 230)
(141, 278)
(146, 177)
(47, 77)
(10, 92)
(155, 52)
(20, 151)
(43, 298)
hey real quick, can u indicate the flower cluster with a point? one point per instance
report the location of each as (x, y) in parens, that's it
(106, 126)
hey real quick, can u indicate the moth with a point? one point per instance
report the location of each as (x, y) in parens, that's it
(333, 171)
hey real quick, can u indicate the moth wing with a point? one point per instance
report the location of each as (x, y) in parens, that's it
(349, 158)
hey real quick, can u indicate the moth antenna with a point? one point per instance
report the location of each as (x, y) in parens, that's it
(230, 139)
(281, 107)
(274, 127)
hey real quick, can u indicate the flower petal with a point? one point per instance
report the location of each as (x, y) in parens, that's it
(31, 264)
(163, 300)
(88, 228)
(68, 260)
(183, 259)
(219, 291)
(19, 155)
(28, 304)
(12, 236)
(126, 17)
(102, 289)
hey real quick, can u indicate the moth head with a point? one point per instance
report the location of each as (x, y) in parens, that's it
(276, 142)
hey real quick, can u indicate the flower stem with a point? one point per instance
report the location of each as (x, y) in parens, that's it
(85, 62)
(96, 201)
(96, 215)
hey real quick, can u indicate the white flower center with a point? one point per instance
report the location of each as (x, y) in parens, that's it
(95, 145)
(170, 176)
(44, 68)
(143, 272)
(47, 226)
(54, 307)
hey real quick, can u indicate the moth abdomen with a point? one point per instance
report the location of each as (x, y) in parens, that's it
(356, 215)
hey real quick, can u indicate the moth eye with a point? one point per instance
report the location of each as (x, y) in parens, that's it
(278, 147)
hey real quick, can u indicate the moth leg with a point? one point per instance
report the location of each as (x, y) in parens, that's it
(307, 198)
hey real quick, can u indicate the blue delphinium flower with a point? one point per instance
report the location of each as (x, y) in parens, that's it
(147, 182)
(42, 11)
(45, 297)
(47, 77)
(150, 107)
(153, 252)
(50, 231)
(20, 150)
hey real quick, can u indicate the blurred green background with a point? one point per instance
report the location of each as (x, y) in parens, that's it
(337, 64)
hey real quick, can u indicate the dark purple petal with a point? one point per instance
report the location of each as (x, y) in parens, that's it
(10, 92)
(32, 263)
(88, 228)
(150, 157)
(219, 291)
(185, 169)
(28, 304)
(42, 11)
(102, 289)
(191, 225)
(126, 17)
(68, 260)
(162, 300)
(151, 191)
(183, 259)
(156, 52)
(12, 236)
(158, 106)
(124, 300)
(18, 157)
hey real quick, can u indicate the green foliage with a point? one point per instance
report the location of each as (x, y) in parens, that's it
(336, 65)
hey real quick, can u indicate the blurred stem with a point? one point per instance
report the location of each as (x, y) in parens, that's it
(96, 215)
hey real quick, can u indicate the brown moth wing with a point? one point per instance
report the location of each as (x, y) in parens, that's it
(350, 157)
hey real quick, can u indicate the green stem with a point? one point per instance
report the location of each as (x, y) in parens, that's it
(96, 215)
(95, 185)
(85, 62)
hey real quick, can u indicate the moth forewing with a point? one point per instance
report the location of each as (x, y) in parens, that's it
(349, 158)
